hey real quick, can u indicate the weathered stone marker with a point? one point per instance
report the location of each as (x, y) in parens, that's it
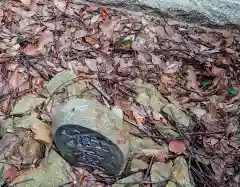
(89, 134)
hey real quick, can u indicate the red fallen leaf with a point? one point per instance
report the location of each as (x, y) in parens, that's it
(104, 13)
(177, 146)
(10, 173)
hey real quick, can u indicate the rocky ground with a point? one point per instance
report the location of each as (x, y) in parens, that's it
(177, 84)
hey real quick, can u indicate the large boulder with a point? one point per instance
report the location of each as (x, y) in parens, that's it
(210, 12)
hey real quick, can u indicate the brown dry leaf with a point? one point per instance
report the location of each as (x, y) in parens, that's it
(45, 38)
(198, 111)
(159, 117)
(31, 50)
(1, 15)
(169, 29)
(15, 80)
(80, 33)
(91, 40)
(229, 41)
(159, 30)
(218, 167)
(126, 108)
(161, 155)
(26, 2)
(192, 78)
(138, 115)
(158, 61)
(61, 5)
(211, 38)
(173, 68)
(167, 80)
(229, 50)
(6, 105)
(32, 4)
(91, 64)
(22, 12)
(177, 146)
(42, 132)
(108, 26)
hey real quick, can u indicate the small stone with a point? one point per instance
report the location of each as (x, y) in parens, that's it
(161, 172)
(137, 164)
(135, 179)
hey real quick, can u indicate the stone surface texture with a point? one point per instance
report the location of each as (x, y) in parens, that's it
(214, 12)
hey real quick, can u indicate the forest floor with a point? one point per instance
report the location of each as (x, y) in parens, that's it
(137, 62)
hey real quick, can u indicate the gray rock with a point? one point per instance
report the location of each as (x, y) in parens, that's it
(161, 172)
(132, 180)
(216, 12)
(55, 173)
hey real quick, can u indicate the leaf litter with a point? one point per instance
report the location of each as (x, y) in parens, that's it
(184, 105)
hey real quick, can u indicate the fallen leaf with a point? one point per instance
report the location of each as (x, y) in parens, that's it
(15, 79)
(31, 50)
(229, 50)
(95, 18)
(159, 30)
(198, 111)
(108, 26)
(169, 29)
(104, 13)
(91, 64)
(41, 130)
(159, 117)
(160, 155)
(27, 104)
(229, 41)
(80, 33)
(218, 167)
(45, 38)
(177, 146)
(192, 78)
(138, 116)
(172, 68)
(90, 40)
(61, 5)
(158, 61)
(10, 173)
(22, 12)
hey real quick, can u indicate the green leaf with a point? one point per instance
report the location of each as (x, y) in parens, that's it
(126, 42)
(232, 91)
(204, 84)
(20, 37)
(238, 139)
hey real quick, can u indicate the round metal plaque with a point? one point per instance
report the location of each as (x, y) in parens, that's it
(84, 147)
